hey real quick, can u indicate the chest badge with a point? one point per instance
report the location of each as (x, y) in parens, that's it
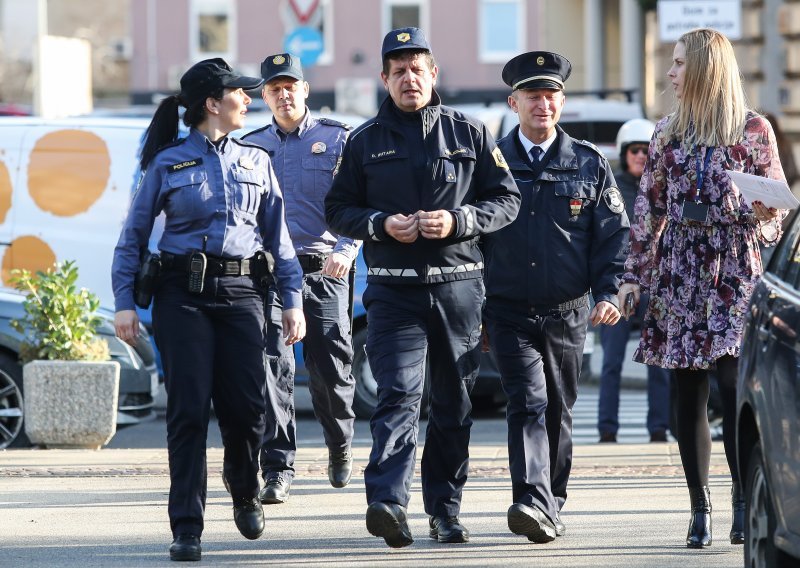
(575, 206)
(318, 148)
(246, 162)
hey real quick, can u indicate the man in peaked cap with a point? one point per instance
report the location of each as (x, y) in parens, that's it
(573, 231)
(305, 152)
(420, 183)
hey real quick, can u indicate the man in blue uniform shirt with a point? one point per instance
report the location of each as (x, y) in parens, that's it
(420, 183)
(305, 152)
(568, 239)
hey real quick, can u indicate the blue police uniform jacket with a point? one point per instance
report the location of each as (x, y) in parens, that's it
(228, 194)
(305, 161)
(571, 232)
(465, 174)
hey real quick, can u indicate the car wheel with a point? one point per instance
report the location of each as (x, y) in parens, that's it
(759, 529)
(12, 432)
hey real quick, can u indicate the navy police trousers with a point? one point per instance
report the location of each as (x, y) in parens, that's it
(212, 348)
(407, 324)
(539, 358)
(328, 356)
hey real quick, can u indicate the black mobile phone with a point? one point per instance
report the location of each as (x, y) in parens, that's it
(197, 272)
(630, 305)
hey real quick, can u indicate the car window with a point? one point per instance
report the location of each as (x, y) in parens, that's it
(596, 132)
(785, 262)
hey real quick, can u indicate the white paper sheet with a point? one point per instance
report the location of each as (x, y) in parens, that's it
(770, 192)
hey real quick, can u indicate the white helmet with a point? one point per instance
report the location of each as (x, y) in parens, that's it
(635, 130)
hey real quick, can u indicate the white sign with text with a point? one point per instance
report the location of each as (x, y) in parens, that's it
(676, 17)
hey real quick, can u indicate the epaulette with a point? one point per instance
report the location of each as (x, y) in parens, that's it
(246, 144)
(172, 144)
(263, 128)
(590, 146)
(331, 122)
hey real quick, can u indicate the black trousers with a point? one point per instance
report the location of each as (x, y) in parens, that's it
(539, 358)
(328, 355)
(406, 324)
(212, 348)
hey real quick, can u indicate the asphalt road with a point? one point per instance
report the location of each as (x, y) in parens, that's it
(627, 506)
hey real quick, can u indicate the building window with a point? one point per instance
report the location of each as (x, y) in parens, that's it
(502, 29)
(404, 14)
(212, 29)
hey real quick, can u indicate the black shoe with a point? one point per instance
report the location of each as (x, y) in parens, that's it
(658, 436)
(607, 437)
(448, 529)
(738, 504)
(530, 522)
(249, 517)
(388, 520)
(340, 467)
(699, 535)
(276, 490)
(561, 530)
(185, 547)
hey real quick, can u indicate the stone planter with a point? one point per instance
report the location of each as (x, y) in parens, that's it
(71, 404)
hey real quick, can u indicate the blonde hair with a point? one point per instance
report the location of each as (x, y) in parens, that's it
(712, 109)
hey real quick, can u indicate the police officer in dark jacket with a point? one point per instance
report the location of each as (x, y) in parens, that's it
(569, 238)
(305, 152)
(223, 210)
(420, 183)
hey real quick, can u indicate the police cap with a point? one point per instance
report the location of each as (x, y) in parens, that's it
(404, 38)
(209, 76)
(537, 70)
(281, 65)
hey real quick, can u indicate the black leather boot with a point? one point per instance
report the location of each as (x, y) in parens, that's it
(737, 501)
(699, 534)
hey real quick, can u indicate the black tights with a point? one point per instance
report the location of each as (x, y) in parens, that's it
(694, 435)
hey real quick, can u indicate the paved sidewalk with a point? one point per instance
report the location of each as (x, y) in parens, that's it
(628, 506)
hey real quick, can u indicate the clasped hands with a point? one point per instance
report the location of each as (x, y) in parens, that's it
(428, 224)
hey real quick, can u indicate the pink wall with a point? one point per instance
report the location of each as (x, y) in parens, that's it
(453, 33)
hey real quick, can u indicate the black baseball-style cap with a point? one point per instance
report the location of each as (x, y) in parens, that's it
(208, 76)
(404, 38)
(281, 65)
(537, 70)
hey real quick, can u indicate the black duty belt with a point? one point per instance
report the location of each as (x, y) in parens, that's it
(217, 266)
(541, 310)
(311, 262)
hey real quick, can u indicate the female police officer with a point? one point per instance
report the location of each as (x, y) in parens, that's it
(223, 208)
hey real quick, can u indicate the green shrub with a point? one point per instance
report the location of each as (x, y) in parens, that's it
(60, 321)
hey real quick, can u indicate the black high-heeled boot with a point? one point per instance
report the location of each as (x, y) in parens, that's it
(737, 502)
(699, 534)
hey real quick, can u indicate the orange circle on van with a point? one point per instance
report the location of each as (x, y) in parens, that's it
(68, 171)
(5, 192)
(30, 253)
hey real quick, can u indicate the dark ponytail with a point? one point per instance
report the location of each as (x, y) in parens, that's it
(163, 129)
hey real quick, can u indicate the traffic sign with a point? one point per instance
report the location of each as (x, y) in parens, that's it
(305, 43)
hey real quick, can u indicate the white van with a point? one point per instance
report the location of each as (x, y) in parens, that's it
(65, 187)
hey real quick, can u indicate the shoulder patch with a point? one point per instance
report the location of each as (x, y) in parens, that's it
(331, 122)
(613, 199)
(499, 159)
(241, 142)
(185, 164)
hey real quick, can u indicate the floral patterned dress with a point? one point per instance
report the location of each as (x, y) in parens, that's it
(700, 274)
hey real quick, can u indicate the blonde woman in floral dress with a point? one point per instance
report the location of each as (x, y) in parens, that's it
(695, 248)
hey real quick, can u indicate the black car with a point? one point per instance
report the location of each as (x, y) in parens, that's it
(138, 379)
(768, 410)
